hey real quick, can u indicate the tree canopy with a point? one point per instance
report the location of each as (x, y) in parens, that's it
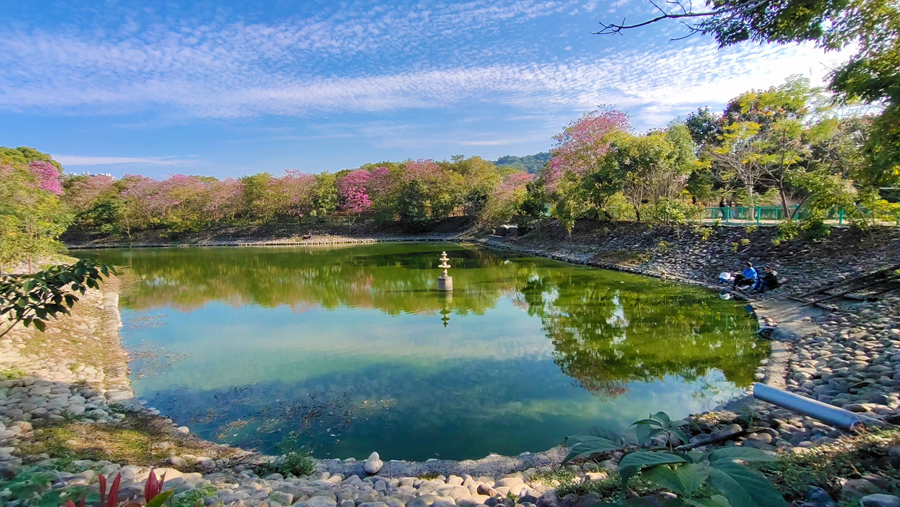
(869, 27)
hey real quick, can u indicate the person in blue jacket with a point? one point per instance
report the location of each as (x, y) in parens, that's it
(746, 277)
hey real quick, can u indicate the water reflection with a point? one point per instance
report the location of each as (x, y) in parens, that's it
(356, 349)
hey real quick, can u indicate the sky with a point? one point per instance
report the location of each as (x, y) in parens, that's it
(235, 87)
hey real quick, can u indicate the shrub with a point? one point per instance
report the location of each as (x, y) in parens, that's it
(33, 299)
(690, 475)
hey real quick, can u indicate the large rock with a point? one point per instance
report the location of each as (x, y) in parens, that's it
(855, 489)
(373, 464)
(880, 500)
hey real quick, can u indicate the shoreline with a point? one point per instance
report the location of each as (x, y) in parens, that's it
(783, 368)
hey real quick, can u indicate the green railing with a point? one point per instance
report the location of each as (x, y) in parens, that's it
(768, 214)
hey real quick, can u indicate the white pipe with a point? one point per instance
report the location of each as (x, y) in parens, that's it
(824, 412)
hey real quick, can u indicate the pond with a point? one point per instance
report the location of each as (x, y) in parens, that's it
(352, 349)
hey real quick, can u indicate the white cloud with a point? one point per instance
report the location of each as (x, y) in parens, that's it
(244, 70)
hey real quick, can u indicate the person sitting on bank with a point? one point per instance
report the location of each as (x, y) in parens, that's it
(768, 280)
(746, 277)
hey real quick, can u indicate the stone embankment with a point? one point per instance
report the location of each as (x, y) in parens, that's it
(849, 358)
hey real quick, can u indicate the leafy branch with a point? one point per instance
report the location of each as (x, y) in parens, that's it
(34, 298)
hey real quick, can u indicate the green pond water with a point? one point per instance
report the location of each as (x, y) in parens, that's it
(353, 350)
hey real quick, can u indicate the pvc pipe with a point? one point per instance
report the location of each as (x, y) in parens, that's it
(824, 412)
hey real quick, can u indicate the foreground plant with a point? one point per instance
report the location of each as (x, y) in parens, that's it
(690, 475)
(154, 496)
(34, 298)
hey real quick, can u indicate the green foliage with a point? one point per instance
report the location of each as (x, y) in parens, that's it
(31, 218)
(412, 207)
(193, 497)
(664, 246)
(745, 242)
(35, 298)
(659, 424)
(24, 155)
(688, 473)
(296, 460)
(530, 163)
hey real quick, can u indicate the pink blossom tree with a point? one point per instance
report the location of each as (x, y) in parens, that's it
(292, 194)
(83, 192)
(506, 199)
(47, 176)
(581, 146)
(352, 194)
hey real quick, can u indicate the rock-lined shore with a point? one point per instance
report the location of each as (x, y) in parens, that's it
(849, 358)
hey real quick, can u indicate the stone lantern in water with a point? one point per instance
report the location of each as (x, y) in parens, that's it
(445, 281)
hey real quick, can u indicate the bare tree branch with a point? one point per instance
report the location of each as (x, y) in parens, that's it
(730, 11)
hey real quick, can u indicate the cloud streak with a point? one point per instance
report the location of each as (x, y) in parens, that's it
(78, 160)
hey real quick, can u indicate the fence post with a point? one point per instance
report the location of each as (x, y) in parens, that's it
(841, 216)
(758, 209)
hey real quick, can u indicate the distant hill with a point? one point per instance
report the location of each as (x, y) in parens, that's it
(530, 163)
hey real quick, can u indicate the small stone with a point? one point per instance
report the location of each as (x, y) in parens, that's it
(880, 500)
(281, 497)
(319, 501)
(177, 462)
(373, 464)
(818, 497)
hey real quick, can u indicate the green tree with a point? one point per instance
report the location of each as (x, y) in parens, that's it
(412, 207)
(870, 27)
(31, 218)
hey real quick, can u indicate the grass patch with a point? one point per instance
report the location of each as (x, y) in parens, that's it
(826, 465)
(428, 476)
(12, 373)
(626, 256)
(139, 439)
(607, 490)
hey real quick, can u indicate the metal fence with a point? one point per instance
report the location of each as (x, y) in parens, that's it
(760, 215)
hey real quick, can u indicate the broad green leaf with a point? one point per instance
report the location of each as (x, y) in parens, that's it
(744, 487)
(664, 477)
(160, 499)
(599, 431)
(585, 445)
(634, 462)
(644, 432)
(748, 454)
(662, 416)
(692, 477)
(714, 501)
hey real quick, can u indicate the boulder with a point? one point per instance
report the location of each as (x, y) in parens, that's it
(880, 500)
(373, 464)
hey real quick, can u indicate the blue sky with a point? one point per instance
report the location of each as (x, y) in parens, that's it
(230, 88)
